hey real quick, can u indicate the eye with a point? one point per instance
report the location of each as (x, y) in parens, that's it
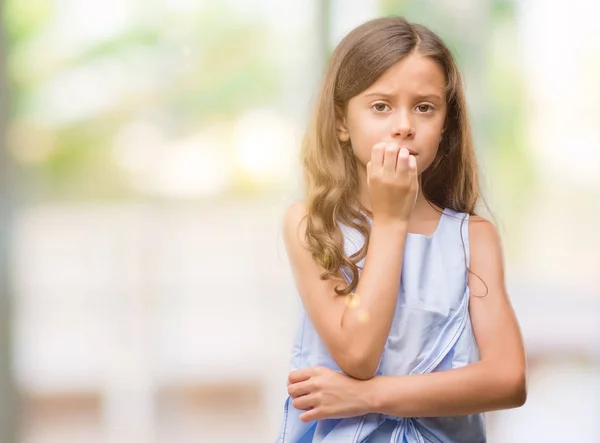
(379, 107)
(425, 108)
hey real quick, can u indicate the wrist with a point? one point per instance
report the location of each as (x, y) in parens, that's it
(391, 224)
(371, 395)
(383, 394)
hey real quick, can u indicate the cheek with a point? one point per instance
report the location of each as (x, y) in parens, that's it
(363, 156)
(428, 149)
(366, 133)
(424, 161)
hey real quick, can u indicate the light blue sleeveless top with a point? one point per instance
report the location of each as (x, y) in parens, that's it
(431, 331)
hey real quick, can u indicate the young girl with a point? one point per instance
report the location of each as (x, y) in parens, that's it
(407, 334)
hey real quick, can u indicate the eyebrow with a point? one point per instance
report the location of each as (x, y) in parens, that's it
(419, 96)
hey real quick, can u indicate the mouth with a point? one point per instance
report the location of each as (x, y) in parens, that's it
(410, 151)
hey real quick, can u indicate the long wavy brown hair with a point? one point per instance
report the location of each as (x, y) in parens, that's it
(330, 168)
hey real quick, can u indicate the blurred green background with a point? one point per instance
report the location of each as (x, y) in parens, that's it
(149, 149)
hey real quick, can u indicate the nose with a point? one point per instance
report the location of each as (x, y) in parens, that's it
(403, 126)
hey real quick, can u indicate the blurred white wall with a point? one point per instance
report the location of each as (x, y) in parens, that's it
(170, 318)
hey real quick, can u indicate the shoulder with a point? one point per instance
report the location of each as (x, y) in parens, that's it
(486, 251)
(294, 222)
(483, 232)
(295, 211)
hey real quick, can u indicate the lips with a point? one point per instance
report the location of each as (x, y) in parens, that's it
(410, 151)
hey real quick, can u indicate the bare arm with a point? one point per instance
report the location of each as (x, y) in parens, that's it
(497, 381)
(354, 345)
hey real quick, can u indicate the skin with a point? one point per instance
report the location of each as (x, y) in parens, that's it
(405, 108)
(497, 381)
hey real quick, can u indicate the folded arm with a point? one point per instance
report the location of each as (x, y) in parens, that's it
(497, 381)
(355, 345)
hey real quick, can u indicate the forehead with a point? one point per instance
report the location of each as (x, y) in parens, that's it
(413, 74)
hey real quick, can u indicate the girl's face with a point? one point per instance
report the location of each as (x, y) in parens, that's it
(405, 106)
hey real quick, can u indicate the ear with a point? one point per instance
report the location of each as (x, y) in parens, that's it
(343, 134)
(340, 126)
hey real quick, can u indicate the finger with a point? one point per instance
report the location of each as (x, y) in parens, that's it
(377, 156)
(390, 160)
(298, 389)
(402, 161)
(305, 402)
(413, 174)
(299, 375)
(312, 415)
(412, 167)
